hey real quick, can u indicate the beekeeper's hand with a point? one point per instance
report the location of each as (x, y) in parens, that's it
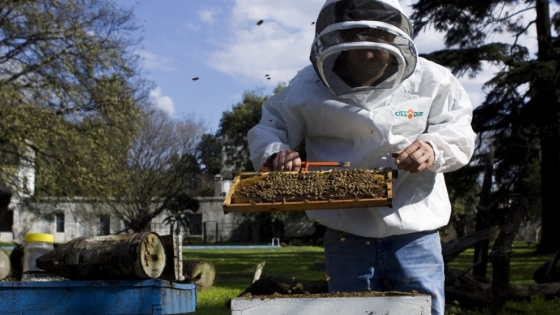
(418, 156)
(286, 160)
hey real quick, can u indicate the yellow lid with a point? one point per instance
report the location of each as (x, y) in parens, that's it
(38, 237)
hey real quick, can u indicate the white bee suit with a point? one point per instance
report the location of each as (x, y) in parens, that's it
(364, 125)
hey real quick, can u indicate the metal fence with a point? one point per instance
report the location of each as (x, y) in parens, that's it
(212, 232)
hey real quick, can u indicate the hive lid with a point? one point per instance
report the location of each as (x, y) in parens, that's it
(39, 237)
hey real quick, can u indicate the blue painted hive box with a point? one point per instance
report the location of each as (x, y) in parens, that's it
(122, 297)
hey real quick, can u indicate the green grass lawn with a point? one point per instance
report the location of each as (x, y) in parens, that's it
(524, 262)
(235, 269)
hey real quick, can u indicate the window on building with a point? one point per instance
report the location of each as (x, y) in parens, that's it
(59, 220)
(104, 225)
(195, 224)
(7, 222)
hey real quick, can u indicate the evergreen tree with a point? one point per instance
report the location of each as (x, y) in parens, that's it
(520, 115)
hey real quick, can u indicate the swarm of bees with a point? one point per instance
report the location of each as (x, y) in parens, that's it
(313, 186)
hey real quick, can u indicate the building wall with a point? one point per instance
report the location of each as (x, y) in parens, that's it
(82, 218)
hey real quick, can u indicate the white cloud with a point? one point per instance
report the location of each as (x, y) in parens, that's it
(279, 47)
(162, 102)
(208, 16)
(151, 61)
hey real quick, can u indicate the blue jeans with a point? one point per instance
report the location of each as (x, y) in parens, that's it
(399, 263)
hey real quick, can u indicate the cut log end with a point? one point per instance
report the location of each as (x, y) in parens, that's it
(4, 264)
(199, 272)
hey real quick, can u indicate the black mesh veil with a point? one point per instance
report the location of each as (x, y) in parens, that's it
(338, 18)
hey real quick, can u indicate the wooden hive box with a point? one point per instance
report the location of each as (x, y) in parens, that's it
(311, 190)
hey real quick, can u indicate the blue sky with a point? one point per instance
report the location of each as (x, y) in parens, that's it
(219, 42)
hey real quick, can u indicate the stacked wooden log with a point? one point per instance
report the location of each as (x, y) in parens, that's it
(95, 257)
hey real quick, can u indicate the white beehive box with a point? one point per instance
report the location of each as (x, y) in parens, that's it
(418, 304)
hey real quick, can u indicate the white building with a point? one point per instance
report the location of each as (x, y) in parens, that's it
(69, 218)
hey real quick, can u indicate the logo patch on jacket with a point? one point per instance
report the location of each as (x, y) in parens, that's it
(408, 114)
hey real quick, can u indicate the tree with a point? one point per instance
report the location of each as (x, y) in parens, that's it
(71, 92)
(87, 158)
(520, 115)
(234, 126)
(179, 210)
(209, 156)
(160, 170)
(463, 203)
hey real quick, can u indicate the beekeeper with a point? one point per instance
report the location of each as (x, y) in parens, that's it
(367, 98)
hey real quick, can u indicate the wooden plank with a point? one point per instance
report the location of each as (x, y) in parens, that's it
(309, 205)
(173, 270)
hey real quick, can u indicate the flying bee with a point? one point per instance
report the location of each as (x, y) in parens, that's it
(260, 22)
(195, 79)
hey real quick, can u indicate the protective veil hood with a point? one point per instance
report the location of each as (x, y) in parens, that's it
(372, 25)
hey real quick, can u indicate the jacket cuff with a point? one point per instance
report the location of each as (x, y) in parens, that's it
(272, 149)
(438, 157)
